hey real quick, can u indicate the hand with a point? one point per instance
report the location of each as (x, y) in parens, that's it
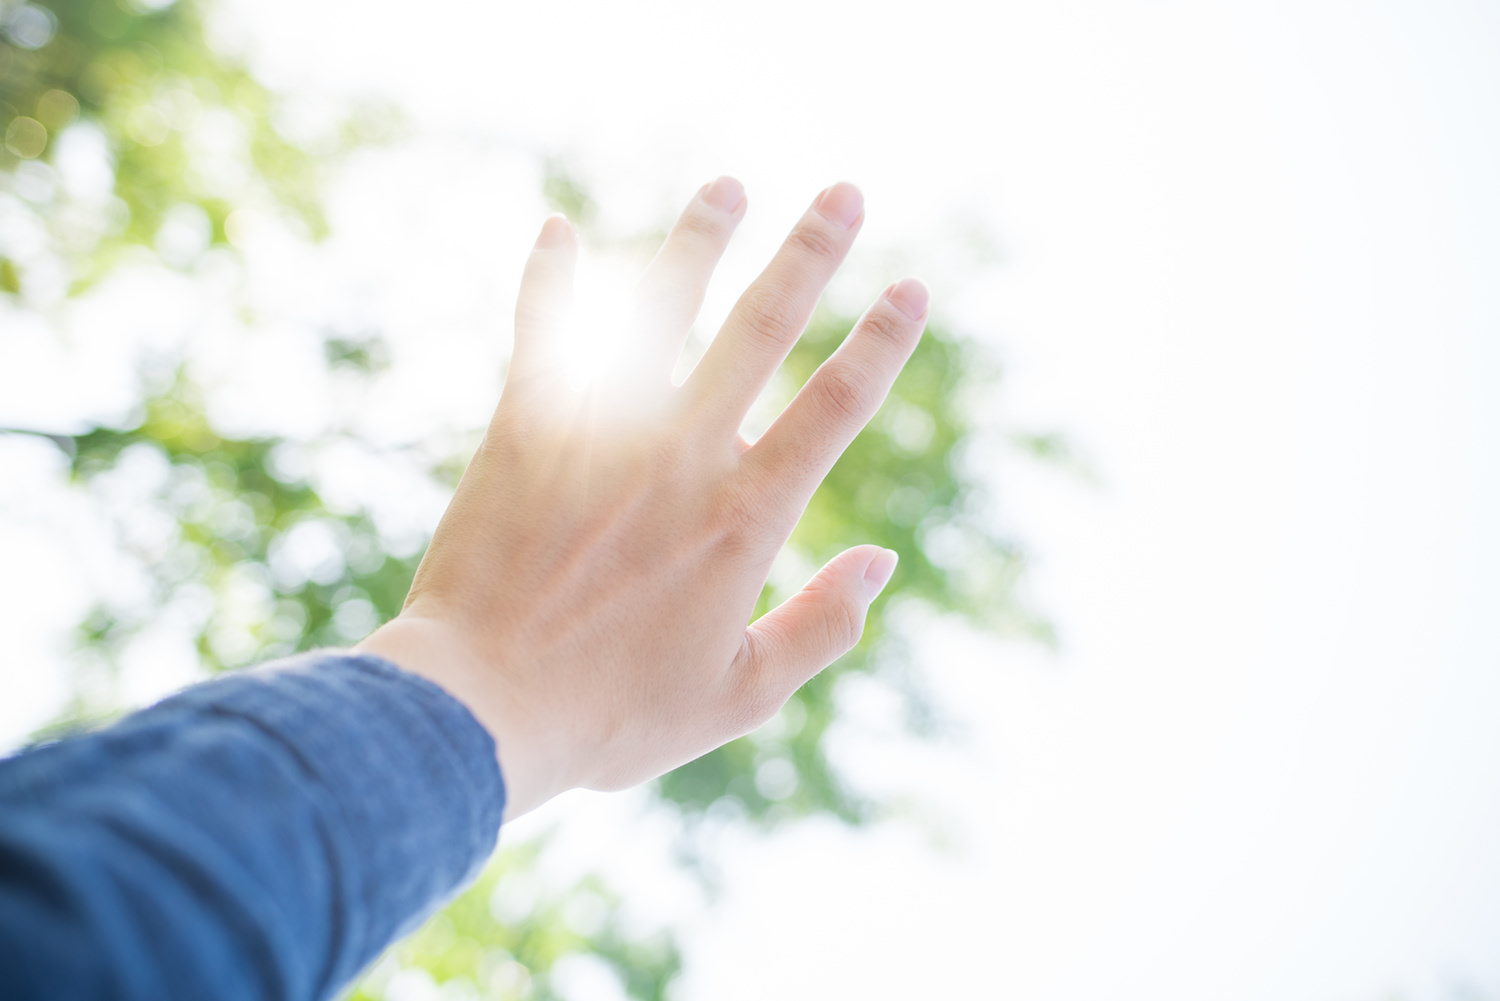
(588, 591)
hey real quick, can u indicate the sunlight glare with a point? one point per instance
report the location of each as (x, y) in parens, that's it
(599, 354)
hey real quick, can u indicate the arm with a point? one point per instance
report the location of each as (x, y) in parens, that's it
(582, 613)
(260, 836)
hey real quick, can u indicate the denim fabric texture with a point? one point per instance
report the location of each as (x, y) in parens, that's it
(263, 835)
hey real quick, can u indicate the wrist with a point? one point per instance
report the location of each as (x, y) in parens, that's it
(529, 754)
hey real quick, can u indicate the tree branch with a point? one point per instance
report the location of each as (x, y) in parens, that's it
(66, 443)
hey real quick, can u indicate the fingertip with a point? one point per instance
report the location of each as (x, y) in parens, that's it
(725, 194)
(842, 204)
(910, 296)
(556, 233)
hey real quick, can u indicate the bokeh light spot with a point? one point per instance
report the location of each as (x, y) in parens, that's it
(30, 26)
(56, 109)
(26, 137)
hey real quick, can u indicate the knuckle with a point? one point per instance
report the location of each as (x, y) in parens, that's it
(775, 485)
(770, 315)
(747, 524)
(700, 224)
(845, 391)
(842, 620)
(846, 625)
(884, 327)
(815, 240)
(741, 515)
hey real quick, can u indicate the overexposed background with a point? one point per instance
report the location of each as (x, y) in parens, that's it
(1245, 255)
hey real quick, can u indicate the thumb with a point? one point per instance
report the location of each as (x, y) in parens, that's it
(812, 628)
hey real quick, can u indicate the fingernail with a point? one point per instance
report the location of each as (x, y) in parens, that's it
(556, 232)
(725, 194)
(878, 573)
(910, 296)
(842, 204)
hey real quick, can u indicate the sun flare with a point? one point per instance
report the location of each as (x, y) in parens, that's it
(602, 356)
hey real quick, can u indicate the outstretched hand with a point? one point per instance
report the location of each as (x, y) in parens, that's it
(588, 591)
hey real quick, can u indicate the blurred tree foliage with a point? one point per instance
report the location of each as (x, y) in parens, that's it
(124, 128)
(121, 127)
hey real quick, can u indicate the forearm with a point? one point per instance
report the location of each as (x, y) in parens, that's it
(264, 835)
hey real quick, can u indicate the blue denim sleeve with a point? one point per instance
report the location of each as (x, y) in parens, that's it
(263, 835)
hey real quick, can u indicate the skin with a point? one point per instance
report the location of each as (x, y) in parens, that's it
(588, 591)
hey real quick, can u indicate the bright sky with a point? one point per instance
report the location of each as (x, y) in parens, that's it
(1247, 260)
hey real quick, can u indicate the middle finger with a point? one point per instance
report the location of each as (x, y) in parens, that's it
(772, 313)
(671, 290)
